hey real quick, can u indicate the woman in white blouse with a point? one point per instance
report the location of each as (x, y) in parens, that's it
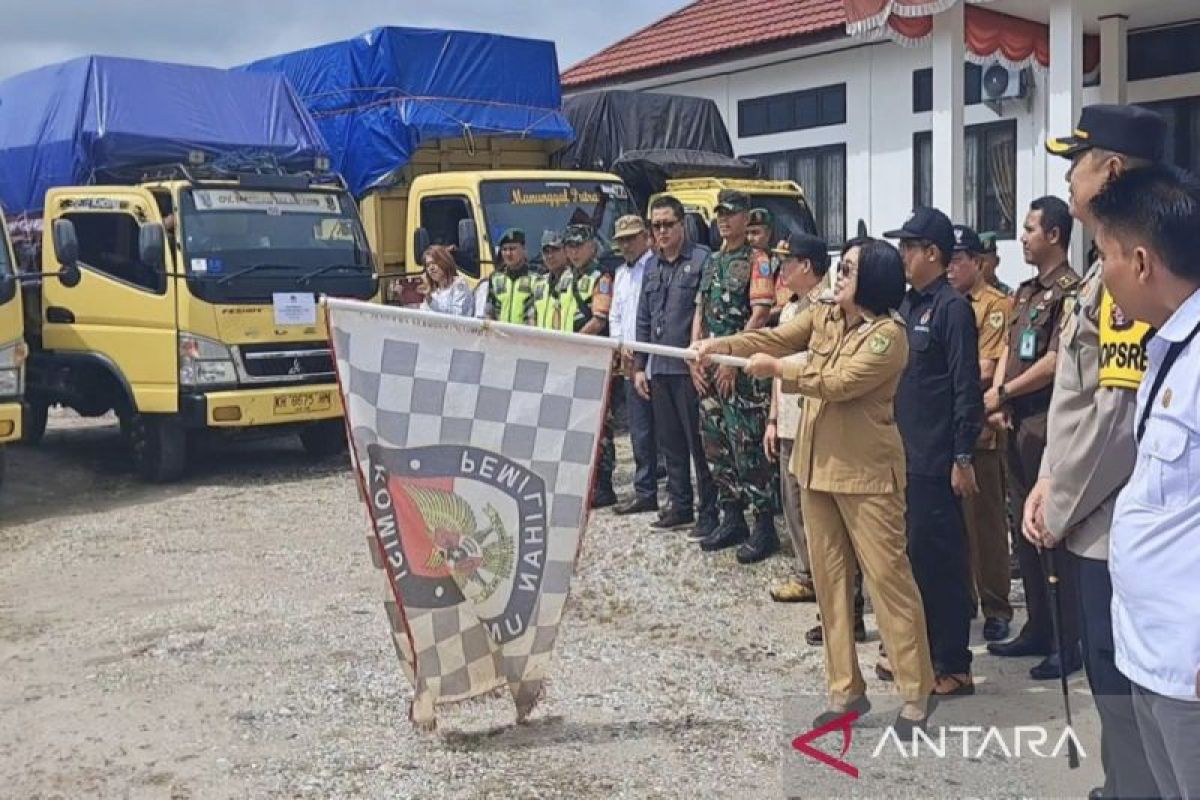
(446, 291)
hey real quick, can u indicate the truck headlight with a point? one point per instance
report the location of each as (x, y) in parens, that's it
(204, 362)
(12, 360)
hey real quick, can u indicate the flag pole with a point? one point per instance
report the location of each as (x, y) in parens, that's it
(450, 322)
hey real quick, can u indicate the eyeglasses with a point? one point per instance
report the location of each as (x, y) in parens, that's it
(664, 226)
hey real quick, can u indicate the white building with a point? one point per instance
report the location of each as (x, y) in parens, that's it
(851, 117)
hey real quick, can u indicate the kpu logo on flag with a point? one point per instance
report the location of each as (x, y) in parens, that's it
(475, 446)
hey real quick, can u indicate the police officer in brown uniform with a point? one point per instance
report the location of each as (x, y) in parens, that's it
(985, 512)
(1039, 308)
(850, 464)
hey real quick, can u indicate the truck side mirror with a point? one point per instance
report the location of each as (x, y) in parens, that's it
(420, 245)
(66, 251)
(151, 239)
(714, 235)
(693, 226)
(468, 242)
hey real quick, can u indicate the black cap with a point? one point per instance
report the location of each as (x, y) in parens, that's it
(801, 245)
(512, 236)
(1129, 130)
(928, 224)
(733, 201)
(760, 216)
(966, 240)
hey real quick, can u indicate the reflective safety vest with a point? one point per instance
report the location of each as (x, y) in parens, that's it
(546, 292)
(513, 298)
(575, 299)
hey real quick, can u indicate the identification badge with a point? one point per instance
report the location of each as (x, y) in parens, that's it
(1028, 347)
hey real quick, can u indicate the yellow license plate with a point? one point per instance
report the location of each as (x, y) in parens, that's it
(303, 403)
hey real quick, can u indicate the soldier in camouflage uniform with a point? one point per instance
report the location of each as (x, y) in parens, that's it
(737, 292)
(585, 297)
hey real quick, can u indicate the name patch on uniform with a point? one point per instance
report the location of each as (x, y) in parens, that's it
(878, 344)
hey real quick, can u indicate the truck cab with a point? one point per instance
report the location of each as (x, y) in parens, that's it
(467, 198)
(784, 199)
(12, 348)
(188, 304)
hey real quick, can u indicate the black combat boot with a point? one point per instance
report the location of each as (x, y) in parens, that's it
(706, 523)
(603, 495)
(732, 531)
(763, 542)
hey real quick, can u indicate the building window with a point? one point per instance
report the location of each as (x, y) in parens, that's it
(821, 173)
(922, 87)
(1164, 51)
(990, 172)
(1183, 130)
(794, 111)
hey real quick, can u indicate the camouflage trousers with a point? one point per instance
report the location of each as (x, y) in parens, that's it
(606, 458)
(732, 433)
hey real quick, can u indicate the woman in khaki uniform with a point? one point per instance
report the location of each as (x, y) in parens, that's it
(849, 462)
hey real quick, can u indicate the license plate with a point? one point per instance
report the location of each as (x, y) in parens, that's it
(303, 403)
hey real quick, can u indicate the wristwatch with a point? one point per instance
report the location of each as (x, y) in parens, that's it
(1002, 391)
(963, 461)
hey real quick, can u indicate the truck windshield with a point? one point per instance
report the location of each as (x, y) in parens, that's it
(551, 205)
(791, 214)
(247, 244)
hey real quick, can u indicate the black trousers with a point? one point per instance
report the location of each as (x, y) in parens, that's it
(1026, 444)
(640, 413)
(1126, 771)
(937, 549)
(677, 434)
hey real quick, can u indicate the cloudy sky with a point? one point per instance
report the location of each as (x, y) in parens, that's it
(228, 32)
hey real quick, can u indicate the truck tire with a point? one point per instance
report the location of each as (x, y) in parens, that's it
(325, 438)
(36, 414)
(159, 445)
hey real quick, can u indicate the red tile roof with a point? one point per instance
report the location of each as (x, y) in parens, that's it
(706, 28)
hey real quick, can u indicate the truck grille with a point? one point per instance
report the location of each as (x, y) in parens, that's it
(282, 363)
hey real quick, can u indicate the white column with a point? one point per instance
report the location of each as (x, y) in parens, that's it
(1114, 32)
(1065, 86)
(948, 60)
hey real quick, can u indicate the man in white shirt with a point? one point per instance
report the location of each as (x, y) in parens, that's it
(633, 239)
(1148, 235)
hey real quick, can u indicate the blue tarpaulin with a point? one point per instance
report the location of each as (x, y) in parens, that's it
(379, 96)
(91, 118)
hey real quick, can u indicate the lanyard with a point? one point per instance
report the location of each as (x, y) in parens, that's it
(1173, 353)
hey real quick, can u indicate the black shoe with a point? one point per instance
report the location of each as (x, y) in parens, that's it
(671, 519)
(763, 543)
(603, 497)
(707, 522)
(1020, 646)
(995, 629)
(859, 704)
(732, 531)
(815, 636)
(904, 727)
(1051, 668)
(638, 505)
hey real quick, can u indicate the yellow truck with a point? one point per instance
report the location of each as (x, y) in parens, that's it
(186, 229)
(439, 153)
(12, 349)
(453, 194)
(784, 199)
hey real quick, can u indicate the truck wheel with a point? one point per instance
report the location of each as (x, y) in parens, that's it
(37, 412)
(159, 446)
(326, 438)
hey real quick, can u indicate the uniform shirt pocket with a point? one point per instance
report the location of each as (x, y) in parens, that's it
(1170, 465)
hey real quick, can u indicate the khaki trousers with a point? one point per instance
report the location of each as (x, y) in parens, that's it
(789, 498)
(867, 530)
(987, 536)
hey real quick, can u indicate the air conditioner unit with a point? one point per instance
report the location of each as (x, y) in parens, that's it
(998, 82)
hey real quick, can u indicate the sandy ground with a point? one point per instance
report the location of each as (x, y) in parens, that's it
(223, 637)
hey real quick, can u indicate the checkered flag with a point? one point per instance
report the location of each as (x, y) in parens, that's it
(475, 445)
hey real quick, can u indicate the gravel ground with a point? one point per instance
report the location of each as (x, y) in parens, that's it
(223, 637)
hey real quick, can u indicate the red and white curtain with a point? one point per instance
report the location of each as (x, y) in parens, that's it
(990, 36)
